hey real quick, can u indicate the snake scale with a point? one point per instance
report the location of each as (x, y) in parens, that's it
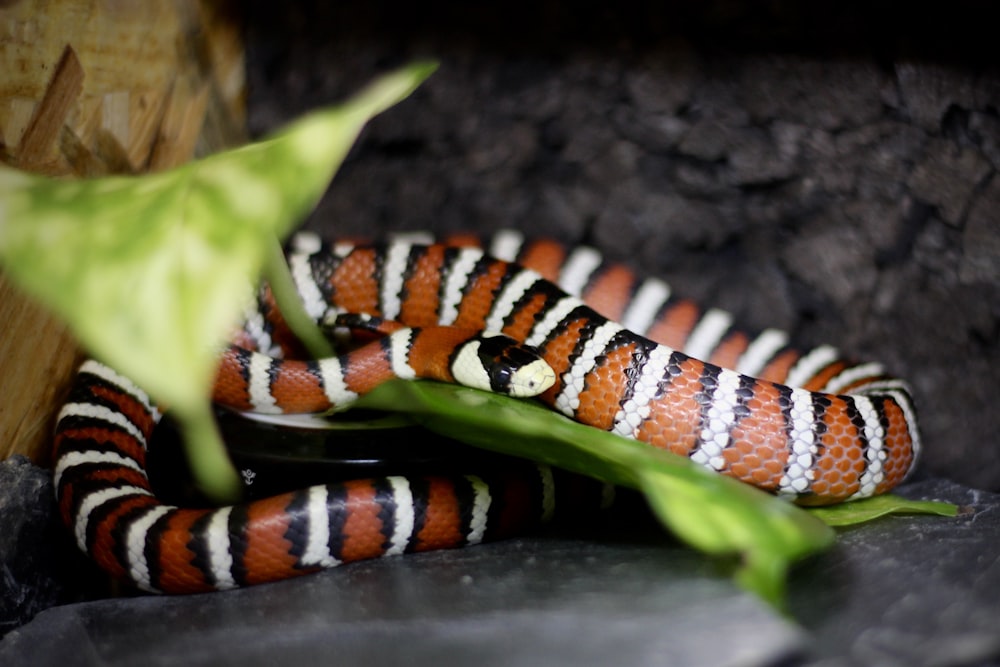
(805, 424)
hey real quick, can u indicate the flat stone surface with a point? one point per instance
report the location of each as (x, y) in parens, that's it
(908, 590)
(39, 566)
(904, 590)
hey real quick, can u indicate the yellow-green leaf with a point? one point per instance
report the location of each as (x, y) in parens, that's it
(860, 511)
(151, 272)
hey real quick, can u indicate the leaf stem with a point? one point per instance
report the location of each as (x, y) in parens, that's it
(213, 471)
(287, 297)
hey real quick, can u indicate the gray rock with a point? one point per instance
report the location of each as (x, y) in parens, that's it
(928, 90)
(908, 591)
(985, 130)
(663, 84)
(980, 261)
(32, 573)
(783, 88)
(947, 177)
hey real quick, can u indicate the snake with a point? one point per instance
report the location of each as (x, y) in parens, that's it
(528, 317)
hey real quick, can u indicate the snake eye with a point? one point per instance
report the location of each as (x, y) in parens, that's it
(494, 355)
(500, 376)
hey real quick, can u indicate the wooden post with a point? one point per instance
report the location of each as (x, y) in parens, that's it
(92, 87)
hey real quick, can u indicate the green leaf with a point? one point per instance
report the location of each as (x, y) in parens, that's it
(715, 514)
(860, 511)
(151, 272)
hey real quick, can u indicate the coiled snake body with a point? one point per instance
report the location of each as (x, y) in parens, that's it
(804, 424)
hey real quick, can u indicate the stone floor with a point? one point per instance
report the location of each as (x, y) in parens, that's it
(908, 591)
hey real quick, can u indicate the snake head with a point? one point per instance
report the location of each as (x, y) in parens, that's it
(501, 364)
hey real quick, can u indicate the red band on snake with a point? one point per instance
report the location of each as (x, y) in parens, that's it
(808, 425)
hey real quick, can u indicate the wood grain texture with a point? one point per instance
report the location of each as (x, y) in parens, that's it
(37, 360)
(94, 87)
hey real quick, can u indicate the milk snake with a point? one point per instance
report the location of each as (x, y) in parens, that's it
(812, 426)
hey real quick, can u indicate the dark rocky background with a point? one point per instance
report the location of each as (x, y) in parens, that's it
(825, 167)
